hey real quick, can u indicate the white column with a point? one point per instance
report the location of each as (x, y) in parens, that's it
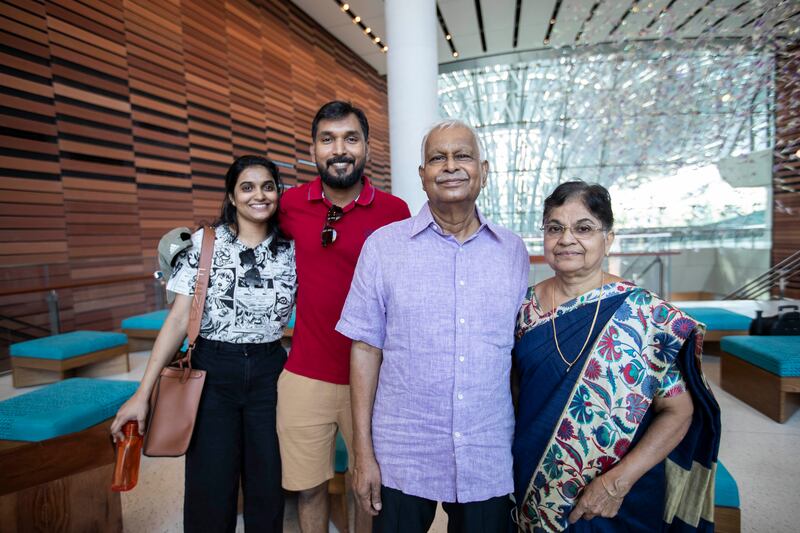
(412, 72)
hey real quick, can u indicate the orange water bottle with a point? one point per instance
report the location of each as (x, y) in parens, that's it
(129, 453)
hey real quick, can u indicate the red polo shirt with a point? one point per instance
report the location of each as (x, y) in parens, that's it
(324, 274)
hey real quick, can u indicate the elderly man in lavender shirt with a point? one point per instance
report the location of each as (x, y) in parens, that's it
(431, 312)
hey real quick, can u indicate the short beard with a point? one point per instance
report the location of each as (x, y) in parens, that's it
(336, 180)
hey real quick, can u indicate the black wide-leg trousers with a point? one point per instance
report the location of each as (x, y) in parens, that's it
(235, 439)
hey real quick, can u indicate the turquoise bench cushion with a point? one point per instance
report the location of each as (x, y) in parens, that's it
(62, 408)
(726, 492)
(152, 320)
(719, 319)
(777, 354)
(68, 345)
(340, 463)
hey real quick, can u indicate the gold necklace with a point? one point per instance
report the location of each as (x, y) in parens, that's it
(591, 328)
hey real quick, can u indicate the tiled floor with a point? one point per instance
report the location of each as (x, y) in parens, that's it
(761, 455)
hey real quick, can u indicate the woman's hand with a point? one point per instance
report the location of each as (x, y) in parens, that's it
(596, 500)
(135, 408)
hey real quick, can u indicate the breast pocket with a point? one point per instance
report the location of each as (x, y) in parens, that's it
(498, 303)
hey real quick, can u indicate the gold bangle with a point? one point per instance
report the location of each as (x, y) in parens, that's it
(615, 494)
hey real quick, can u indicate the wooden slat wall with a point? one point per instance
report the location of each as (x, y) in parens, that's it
(118, 119)
(786, 170)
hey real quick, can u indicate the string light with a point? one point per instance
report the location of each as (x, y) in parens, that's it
(448, 37)
(358, 21)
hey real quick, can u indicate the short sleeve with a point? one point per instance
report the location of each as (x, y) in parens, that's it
(673, 384)
(523, 263)
(184, 273)
(364, 315)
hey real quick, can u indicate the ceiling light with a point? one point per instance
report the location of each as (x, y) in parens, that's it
(455, 54)
(552, 21)
(368, 30)
(385, 48)
(356, 19)
(635, 8)
(546, 41)
(345, 7)
(448, 36)
(377, 39)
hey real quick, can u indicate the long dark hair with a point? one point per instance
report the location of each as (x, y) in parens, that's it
(227, 216)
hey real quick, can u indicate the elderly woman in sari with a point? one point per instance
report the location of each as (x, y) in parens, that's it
(616, 428)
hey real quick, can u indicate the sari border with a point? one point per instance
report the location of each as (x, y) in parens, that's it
(529, 319)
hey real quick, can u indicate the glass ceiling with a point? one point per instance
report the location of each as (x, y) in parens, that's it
(623, 116)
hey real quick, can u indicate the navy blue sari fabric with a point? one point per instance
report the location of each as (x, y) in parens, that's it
(545, 387)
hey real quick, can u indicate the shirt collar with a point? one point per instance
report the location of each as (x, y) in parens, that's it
(364, 198)
(424, 220)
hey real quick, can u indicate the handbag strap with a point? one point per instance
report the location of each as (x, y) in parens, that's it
(200, 289)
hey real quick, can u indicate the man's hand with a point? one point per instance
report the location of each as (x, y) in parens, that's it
(367, 485)
(595, 501)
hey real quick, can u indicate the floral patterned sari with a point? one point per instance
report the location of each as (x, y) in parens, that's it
(575, 423)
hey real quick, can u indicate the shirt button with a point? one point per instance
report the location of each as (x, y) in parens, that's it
(461, 282)
(461, 358)
(458, 434)
(460, 396)
(461, 320)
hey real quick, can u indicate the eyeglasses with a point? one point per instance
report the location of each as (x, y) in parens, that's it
(579, 231)
(252, 277)
(328, 233)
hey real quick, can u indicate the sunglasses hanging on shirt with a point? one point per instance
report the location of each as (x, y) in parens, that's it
(335, 213)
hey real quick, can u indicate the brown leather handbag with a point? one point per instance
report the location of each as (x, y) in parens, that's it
(176, 395)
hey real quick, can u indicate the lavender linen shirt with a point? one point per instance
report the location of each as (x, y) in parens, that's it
(443, 313)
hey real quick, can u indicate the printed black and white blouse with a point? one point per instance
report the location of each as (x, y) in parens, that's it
(250, 291)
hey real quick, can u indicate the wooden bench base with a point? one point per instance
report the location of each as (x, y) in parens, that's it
(28, 371)
(727, 520)
(141, 340)
(60, 484)
(711, 339)
(776, 397)
(337, 494)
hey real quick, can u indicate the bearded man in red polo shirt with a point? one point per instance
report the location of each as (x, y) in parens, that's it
(329, 220)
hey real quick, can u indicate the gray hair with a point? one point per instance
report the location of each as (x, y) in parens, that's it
(446, 124)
